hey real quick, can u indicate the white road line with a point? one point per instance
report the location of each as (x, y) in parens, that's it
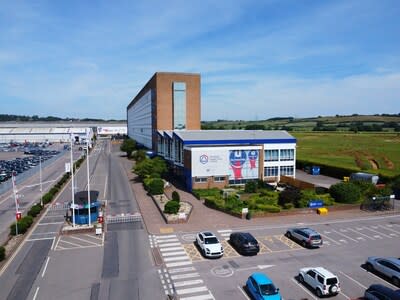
(52, 223)
(381, 279)
(224, 230)
(36, 293)
(344, 295)
(180, 270)
(345, 236)
(188, 282)
(73, 244)
(59, 238)
(244, 294)
(171, 249)
(169, 244)
(165, 236)
(395, 231)
(94, 237)
(192, 290)
(178, 264)
(105, 186)
(52, 245)
(373, 230)
(168, 259)
(160, 242)
(184, 276)
(42, 239)
(208, 296)
(332, 240)
(174, 253)
(83, 240)
(304, 289)
(367, 236)
(363, 286)
(49, 232)
(45, 266)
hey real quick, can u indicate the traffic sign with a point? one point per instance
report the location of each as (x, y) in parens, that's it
(18, 215)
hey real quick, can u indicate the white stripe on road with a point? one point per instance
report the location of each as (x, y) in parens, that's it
(188, 282)
(166, 259)
(171, 249)
(367, 236)
(36, 293)
(364, 287)
(167, 240)
(164, 236)
(244, 294)
(225, 230)
(304, 289)
(395, 231)
(180, 270)
(51, 223)
(45, 266)
(185, 276)
(388, 236)
(345, 236)
(83, 240)
(169, 244)
(192, 290)
(174, 253)
(178, 264)
(332, 240)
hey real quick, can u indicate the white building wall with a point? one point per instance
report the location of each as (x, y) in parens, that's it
(140, 121)
(279, 163)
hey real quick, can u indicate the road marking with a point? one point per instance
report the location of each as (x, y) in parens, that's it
(171, 249)
(105, 186)
(169, 244)
(36, 293)
(158, 237)
(73, 244)
(332, 240)
(363, 286)
(49, 232)
(395, 231)
(381, 279)
(52, 244)
(168, 259)
(208, 296)
(174, 253)
(244, 294)
(192, 290)
(188, 282)
(179, 270)
(304, 289)
(224, 230)
(51, 223)
(166, 241)
(367, 236)
(45, 266)
(185, 276)
(345, 236)
(178, 264)
(388, 236)
(83, 240)
(42, 239)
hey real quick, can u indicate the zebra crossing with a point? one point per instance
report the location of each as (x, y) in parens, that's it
(178, 275)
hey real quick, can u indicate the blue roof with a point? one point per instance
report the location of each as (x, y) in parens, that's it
(261, 278)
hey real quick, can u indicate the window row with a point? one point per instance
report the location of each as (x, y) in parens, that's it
(284, 171)
(276, 155)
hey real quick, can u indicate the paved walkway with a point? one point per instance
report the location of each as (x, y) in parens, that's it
(204, 218)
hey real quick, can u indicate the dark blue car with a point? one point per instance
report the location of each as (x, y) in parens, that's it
(260, 287)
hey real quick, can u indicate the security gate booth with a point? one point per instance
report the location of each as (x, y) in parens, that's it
(81, 207)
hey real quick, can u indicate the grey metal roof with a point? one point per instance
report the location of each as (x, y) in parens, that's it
(233, 135)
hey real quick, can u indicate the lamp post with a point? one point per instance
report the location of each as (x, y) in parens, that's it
(88, 175)
(72, 184)
(40, 176)
(16, 201)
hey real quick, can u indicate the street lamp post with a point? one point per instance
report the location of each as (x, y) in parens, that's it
(16, 201)
(72, 184)
(40, 176)
(88, 175)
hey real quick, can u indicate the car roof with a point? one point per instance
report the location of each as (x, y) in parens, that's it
(207, 233)
(246, 235)
(261, 278)
(394, 260)
(324, 272)
(394, 294)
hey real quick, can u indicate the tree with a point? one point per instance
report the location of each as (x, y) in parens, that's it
(148, 166)
(128, 146)
(345, 192)
(289, 195)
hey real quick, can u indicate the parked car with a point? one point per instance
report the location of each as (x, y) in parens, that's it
(260, 287)
(307, 237)
(381, 292)
(244, 243)
(209, 244)
(388, 266)
(321, 280)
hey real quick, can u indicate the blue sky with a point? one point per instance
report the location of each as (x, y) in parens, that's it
(257, 59)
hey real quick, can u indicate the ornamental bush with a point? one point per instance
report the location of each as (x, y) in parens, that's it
(156, 186)
(23, 225)
(35, 210)
(175, 196)
(345, 192)
(172, 207)
(250, 187)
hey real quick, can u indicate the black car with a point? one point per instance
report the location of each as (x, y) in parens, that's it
(244, 243)
(378, 291)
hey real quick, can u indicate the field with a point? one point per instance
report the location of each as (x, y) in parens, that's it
(377, 153)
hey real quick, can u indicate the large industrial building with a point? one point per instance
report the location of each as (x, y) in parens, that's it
(165, 117)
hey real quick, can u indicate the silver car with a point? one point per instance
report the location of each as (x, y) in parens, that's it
(388, 266)
(307, 237)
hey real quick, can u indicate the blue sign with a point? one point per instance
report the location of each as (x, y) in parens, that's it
(315, 203)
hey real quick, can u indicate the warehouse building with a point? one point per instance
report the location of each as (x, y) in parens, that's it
(165, 117)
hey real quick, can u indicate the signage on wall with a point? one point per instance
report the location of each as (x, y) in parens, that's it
(243, 163)
(203, 159)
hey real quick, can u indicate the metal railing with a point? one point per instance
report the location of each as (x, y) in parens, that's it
(123, 218)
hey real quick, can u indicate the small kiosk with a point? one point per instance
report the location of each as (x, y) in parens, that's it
(81, 207)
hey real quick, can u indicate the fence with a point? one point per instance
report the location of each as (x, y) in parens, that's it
(123, 218)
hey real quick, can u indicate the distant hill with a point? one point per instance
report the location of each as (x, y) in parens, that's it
(355, 123)
(34, 118)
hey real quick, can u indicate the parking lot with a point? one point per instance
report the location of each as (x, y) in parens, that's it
(347, 244)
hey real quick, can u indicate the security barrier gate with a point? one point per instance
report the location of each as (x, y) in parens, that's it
(123, 218)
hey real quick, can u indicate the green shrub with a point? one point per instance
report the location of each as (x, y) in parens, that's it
(2, 253)
(289, 195)
(47, 198)
(156, 186)
(35, 210)
(172, 207)
(54, 190)
(288, 206)
(250, 187)
(345, 192)
(23, 225)
(203, 193)
(146, 182)
(175, 196)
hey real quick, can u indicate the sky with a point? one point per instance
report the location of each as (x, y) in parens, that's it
(257, 59)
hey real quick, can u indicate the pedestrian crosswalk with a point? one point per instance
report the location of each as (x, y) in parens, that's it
(178, 275)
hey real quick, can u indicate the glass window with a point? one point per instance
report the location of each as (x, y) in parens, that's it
(271, 155)
(200, 179)
(179, 103)
(271, 171)
(219, 178)
(287, 170)
(287, 154)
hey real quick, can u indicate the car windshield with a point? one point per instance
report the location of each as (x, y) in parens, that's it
(330, 281)
(268, 289)
(316, 237)
(211, 240)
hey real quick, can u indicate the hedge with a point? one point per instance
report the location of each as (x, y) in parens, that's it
(175, 196)
(156, 186)
(23, 225)
(35, 210)
(172, 207)
(2, 253)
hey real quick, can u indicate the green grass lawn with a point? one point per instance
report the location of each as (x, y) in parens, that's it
(368, 152)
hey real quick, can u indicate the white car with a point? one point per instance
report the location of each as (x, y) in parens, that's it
(209, 244)
(321, 280)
